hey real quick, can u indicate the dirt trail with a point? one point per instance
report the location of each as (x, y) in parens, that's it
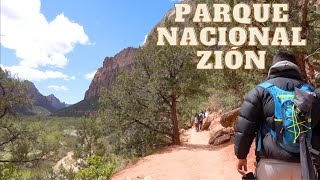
(193, 160)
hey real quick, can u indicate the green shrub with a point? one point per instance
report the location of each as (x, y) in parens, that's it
(8, 171)
(96, 169)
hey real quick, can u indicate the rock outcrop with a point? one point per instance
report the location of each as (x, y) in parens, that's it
(206, 125)
(219, 133)
(55, 102)
(221, 136)
(50, 102)
(112, 67)
(229, 118)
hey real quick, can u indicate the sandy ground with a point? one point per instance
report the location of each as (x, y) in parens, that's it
(67, 163)
(194, 160)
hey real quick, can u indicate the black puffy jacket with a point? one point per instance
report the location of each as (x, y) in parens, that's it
(259, 106)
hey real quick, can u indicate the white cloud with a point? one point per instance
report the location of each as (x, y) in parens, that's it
(58, 88)
(35, 74)
(90, 76)
(36, 41)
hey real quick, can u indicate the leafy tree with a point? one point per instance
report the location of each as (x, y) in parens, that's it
(90, 138)
(12, 93)
(21, 142)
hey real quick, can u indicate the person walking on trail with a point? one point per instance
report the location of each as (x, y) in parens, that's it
(206, 114)
(262, 117)
(196, 122)
(201, 117)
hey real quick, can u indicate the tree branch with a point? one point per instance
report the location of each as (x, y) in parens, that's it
(143, 124)
(164, 98)
(11, 139)
(5, 111)
(316, 52)
(25, 161)
(149, 127)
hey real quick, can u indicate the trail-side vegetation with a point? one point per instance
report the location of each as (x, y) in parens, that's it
(144, 110)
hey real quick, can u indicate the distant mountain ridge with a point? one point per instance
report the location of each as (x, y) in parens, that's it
(40, 104)
(50, 102)
(55, 102)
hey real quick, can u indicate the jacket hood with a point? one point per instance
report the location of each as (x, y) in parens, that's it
(284, 66)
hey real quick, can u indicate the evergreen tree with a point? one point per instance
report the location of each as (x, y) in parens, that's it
(149, 97)
(21, 141)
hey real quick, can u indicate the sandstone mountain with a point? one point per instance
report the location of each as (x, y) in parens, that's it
(112, 67)
(55, 102)
(50, 103)
(104, 78)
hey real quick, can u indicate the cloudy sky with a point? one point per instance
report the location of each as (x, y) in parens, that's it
(59, 44)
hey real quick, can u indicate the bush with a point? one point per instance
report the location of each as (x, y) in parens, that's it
(8, 171)
(96, 169)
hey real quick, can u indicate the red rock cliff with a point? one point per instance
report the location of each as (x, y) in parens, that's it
(112, 67)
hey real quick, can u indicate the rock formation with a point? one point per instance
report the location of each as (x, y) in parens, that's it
(229, 118)
(55, 102)
(112, 67)
(104, 78)
(221, 136)
(50, 102)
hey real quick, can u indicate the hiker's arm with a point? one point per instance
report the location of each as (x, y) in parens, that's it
(247, 123)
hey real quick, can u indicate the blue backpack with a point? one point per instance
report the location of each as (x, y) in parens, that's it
(286, 131)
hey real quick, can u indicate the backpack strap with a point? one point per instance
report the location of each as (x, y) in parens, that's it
(308, 88)
(264, 85)
(277, 133)
(271, 88)
(269, 129)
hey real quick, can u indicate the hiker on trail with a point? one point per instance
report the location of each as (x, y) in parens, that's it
(261, 117)
(201, 117)
(196, 122)
(206, 114)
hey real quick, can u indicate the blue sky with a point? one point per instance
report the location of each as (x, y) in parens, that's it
(57, 44)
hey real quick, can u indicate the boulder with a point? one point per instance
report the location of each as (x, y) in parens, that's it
(221, 136)
(222, 139)
(229, 118)
(211, 140)
(228, 130)
(206, 125)
(215, 136)
(187, 126)
(215, 126)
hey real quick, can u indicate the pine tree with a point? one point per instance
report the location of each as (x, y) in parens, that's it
(149, 97)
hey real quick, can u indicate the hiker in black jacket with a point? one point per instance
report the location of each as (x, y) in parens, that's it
(273, 161)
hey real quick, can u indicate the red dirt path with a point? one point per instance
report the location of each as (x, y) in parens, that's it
(194, 160)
